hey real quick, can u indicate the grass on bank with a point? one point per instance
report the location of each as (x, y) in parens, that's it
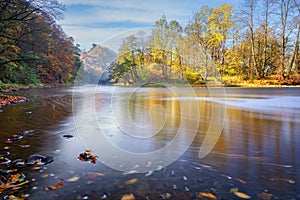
(4, 86)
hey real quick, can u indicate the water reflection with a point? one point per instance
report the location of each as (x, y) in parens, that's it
(257, 150)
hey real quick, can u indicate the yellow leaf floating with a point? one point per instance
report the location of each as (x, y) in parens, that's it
(128, 197)
(131, 181)
(207, 195)
(73, 179)
(13, 197)
(241, 195)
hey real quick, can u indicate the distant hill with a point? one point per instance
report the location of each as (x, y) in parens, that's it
(95, 61)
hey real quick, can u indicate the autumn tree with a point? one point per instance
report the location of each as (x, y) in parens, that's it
(197, 33)
(33, 48)
(220, 23)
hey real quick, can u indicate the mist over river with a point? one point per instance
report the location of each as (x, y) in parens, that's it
(157, 143)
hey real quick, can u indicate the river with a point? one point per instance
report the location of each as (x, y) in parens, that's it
(158, 143)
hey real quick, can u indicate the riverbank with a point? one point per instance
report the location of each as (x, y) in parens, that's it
(7, 93)
(16, 87)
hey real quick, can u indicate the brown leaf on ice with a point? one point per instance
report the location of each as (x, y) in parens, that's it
(56, 186)
(87, 155)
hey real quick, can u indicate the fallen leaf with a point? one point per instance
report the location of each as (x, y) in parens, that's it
(131, 181)
(17, 178)
(12, 170)
(241, 180)
(56, 186)
(291, 181)
(232, 190)
(242, 195)
(128, 197)
(87, 155)
(36, 168)
(44, 175)
(73, 179)
(13, 197)
(4, 187)
(264, 196)
(130, 172)
(95, 174)
(207, 195)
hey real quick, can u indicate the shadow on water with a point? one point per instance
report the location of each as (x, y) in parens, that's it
(257, 151)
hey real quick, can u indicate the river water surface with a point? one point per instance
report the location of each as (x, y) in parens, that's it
(158, 143)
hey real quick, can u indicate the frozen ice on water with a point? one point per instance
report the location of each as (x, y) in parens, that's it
(267, 104)
(271, 104)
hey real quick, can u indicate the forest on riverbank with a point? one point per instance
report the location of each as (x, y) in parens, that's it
(256, 43)
(34, 50)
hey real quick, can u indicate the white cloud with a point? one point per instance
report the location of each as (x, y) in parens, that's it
(93, 21)
(108, 37)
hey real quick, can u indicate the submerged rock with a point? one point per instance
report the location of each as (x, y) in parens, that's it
(15, 137)
(68, 136)
(87, 155)
(4, 161)
(37, 159)
(4, 153)
(4, 176)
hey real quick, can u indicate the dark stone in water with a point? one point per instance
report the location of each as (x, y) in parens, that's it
(15, 137)
(87, 155)
(68, 136)
(4, 176)
(4, 161)
(18, 163)
(25, 132)
(37, 159)
(4, 153)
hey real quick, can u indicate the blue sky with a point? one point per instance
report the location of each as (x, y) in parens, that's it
(97, 21)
